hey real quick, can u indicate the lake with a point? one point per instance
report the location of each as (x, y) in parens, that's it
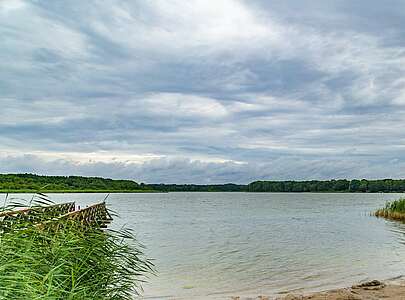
(217, 245)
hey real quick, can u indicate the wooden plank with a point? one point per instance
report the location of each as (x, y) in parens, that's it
(62, 207)
(96, 213)
(91, 215)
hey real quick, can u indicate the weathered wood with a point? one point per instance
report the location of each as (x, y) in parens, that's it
(37, 214)
(94, 214)
(57, 209)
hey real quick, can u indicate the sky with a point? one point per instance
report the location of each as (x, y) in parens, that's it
(203, 91)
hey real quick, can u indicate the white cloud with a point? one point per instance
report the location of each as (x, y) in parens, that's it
(181, 27)
(7, 6)
(25, 31)
(180, 105)
(188, 171)
(41, 111)
(230, 32)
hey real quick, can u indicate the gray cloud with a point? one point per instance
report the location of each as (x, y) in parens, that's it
(174, 91)
(187, 171)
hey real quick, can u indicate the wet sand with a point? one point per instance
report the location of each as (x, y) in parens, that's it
(391, 290)
(370, 290)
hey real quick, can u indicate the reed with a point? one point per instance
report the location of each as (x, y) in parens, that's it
(66, 260)
(393, 210)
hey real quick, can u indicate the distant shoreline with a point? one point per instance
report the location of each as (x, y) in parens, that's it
(22, 191)
(77, 191)
(28, 183)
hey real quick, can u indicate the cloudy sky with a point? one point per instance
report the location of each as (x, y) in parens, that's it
(203, 91)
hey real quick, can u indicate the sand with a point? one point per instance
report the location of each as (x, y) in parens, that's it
(370, 290)
(392, 290)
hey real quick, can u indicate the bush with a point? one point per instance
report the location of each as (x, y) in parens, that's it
(63, 259)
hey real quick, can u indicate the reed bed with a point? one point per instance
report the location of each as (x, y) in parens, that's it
(66, 260)
(393, 210)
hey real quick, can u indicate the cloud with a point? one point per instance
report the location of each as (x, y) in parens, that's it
(181, 105)
(9, 6)
(189, 91)
(164, 170)
(183, 29)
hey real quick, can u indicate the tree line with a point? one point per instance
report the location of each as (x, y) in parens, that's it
(34, 183)
(228, 187)
(340, 185)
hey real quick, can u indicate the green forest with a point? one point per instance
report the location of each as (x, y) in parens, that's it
(228, 187)
(340, 185)
(33, 183)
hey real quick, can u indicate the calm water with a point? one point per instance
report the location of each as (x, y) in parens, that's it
(213, 245)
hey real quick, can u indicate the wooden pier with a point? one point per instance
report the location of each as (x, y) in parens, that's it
(33, 212)
(96, 214)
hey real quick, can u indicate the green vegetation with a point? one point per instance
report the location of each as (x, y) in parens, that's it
(341, 185)
(45, 259)
(393, 210)
(29, 183)
(229, 187)
(11, 183)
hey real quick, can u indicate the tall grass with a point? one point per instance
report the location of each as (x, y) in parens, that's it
(393, 210)
(47, 259)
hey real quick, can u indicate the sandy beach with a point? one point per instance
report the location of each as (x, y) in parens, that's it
(372, 290)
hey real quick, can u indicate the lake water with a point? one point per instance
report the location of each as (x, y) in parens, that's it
(217, 245)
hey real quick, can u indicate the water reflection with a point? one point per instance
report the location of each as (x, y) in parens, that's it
(398, 228)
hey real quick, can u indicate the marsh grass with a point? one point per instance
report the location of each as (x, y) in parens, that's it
(393, 210)
(64, 259)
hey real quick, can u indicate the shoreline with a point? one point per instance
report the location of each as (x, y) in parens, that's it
(391, 289)
(80, 192)
(27, 191)
(369, 290)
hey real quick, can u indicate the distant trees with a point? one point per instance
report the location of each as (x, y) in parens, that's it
(229, 187)
(340, 185)
(31, 182)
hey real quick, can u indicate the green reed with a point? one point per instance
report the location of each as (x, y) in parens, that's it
(44, 258)
(393, 210)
